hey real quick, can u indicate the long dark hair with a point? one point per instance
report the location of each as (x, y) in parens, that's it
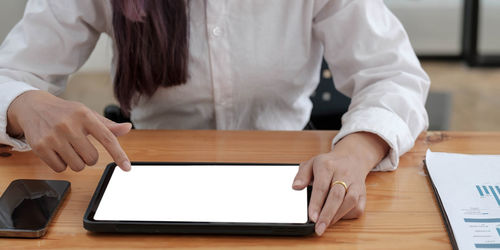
(152, 41)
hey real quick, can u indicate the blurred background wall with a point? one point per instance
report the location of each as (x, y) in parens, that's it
(435, 28)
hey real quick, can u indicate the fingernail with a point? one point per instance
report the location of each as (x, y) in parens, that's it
(297, 183)
(126, 166)
(321, 229)
(314, 216)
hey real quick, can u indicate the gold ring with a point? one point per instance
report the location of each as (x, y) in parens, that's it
(341, 183)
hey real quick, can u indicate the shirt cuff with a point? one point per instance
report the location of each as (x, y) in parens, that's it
(8, 92)
(387, 125)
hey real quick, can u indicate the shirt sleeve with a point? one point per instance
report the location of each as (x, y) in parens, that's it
(53, 39)
(373, 62)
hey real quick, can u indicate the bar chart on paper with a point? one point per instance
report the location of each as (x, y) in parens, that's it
(484, 221)
(489, 191)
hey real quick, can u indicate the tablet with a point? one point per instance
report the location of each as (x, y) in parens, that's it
(199, 198)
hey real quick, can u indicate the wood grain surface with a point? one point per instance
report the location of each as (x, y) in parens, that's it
(401, 211)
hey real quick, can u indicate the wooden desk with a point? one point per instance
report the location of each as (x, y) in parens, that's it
(401, 212)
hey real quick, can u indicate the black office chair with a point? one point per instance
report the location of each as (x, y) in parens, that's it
(328, 104)
(114, 113)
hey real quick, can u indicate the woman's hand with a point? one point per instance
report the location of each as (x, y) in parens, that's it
(57, 131)
(350, 161)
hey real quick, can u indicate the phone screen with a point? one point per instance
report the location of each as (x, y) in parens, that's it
(204, 193)
(28, 205)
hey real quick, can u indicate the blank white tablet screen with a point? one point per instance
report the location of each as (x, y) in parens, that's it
(204, 193)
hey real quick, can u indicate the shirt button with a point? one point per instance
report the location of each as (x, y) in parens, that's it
(217, 31)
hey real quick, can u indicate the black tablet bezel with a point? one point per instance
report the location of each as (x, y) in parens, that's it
(290, 229)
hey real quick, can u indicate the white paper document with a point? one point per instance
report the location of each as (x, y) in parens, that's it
(204, 193)
(469, 189)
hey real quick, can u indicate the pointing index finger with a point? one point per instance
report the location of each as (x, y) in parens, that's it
(99, 131)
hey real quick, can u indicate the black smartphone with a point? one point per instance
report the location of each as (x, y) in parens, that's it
(28, 206)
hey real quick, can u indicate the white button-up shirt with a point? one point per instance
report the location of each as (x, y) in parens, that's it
(253, 65)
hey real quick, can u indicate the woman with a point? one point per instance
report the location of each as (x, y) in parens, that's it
(249, 64)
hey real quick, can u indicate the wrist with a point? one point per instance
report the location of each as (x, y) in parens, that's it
(14, 128)
(367, 149)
